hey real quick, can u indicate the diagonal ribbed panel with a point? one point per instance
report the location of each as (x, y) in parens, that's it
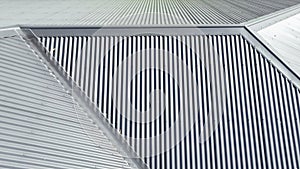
(208, 101)
(41, 126)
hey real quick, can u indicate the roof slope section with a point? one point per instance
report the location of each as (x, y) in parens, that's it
(136, 12)
(284, 37)
(41, 126)
(187, 97)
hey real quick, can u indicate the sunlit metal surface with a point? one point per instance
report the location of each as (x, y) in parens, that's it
(136, 12)
(284, 37)
(41, 125)
(184, 83)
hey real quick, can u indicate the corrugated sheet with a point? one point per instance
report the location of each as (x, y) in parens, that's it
(206, 101)
(162, 12)
(41, 126)
(136, 12)
(284, 37)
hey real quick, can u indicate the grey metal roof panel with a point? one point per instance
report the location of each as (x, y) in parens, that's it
(284, 37)
(262, 22)
(217, 96)
(136, 12)
(41, 125)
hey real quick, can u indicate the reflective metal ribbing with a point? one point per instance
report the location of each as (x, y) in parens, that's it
(165, 12)
(136, 12)
(207, 101)
(41, 126)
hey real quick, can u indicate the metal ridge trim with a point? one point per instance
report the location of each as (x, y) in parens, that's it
(131, 31)
(128, 26)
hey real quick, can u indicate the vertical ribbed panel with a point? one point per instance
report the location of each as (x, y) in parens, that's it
(221, 103)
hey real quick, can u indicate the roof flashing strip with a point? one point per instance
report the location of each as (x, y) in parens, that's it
(135, 31)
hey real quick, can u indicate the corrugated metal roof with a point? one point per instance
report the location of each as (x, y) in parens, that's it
(135, 12)
(41, 126)
(202, 97)
(215, 99)
(284, 37)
